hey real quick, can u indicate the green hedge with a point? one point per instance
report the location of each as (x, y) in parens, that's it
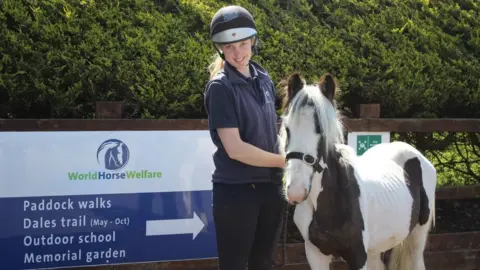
(416, 58)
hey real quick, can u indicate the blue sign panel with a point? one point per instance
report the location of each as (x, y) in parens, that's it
(44, 232)
(99, 199)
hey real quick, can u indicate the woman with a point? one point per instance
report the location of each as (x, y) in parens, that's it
(248, 204)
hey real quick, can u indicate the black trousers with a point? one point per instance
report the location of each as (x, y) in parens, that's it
(248, 219)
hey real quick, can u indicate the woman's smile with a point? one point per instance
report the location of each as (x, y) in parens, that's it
(240, 60)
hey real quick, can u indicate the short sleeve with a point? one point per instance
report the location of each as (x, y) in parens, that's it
(220, 107)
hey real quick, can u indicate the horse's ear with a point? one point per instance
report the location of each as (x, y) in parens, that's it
(289, 87)
(328, 86)
(295, 84)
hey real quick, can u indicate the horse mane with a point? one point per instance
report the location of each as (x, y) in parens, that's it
(282, 99)
(328, 117)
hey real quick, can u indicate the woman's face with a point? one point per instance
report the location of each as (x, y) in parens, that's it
(238, 54)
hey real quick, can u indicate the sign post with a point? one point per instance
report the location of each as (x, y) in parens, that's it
(71, 199)
(362, 141)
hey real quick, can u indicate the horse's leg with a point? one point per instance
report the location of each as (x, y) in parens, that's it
(316, 259)
(365, 238)
(357, 255)
(409, 254)
(375, 262)
(361, 253)
(419, 240)
(302, 218)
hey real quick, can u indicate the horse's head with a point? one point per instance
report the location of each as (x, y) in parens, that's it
(309, 131)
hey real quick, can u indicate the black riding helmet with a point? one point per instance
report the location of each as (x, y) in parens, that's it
(232, 24)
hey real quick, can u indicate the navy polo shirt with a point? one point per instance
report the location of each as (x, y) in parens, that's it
(233, 100)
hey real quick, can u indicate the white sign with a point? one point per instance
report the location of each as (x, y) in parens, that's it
(104, 162)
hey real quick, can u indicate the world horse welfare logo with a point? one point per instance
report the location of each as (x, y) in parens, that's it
(113, 155)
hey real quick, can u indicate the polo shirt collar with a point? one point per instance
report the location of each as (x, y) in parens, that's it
(238, 78)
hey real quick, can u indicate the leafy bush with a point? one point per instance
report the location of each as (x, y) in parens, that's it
(59, 57)
(417, 58)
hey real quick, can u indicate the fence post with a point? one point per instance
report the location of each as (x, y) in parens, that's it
(109, 109)
(369, 110)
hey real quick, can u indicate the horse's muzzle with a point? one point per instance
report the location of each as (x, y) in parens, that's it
(296, 195)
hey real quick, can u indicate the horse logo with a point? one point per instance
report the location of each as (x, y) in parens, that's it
(113, 154)
(268, 98)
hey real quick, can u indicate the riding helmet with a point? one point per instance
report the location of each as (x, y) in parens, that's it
(232, 24)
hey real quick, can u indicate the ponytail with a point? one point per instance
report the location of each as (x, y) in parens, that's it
(216, 65)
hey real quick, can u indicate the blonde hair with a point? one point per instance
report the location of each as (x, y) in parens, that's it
(216, 65)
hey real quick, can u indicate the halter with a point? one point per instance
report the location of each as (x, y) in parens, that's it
(317, 164)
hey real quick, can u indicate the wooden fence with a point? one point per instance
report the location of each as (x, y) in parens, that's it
(109, 117)
(456, 250)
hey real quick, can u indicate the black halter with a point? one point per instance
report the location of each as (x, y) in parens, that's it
(308, 159)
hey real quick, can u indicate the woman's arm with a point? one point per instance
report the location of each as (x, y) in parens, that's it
(247, 153)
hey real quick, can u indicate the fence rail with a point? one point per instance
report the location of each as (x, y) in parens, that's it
(351, 124)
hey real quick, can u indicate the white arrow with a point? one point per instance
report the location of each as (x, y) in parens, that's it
(175, 226)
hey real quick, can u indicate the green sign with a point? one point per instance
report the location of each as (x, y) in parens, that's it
(364, 142)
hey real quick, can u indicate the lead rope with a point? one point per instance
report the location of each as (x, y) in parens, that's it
(283, 239)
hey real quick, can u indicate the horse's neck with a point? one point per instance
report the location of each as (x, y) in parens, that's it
(339, 180)
(336, 178)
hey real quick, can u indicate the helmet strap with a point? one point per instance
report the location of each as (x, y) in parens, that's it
(255, 46)
(219, 52)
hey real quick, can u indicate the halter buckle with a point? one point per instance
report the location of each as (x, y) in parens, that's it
(317, 164)
(305, 156)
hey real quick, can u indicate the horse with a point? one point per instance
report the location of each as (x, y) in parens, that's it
(357, 208)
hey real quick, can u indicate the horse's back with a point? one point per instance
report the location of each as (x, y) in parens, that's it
(397, 151)
(404, 154)
(400, 153)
